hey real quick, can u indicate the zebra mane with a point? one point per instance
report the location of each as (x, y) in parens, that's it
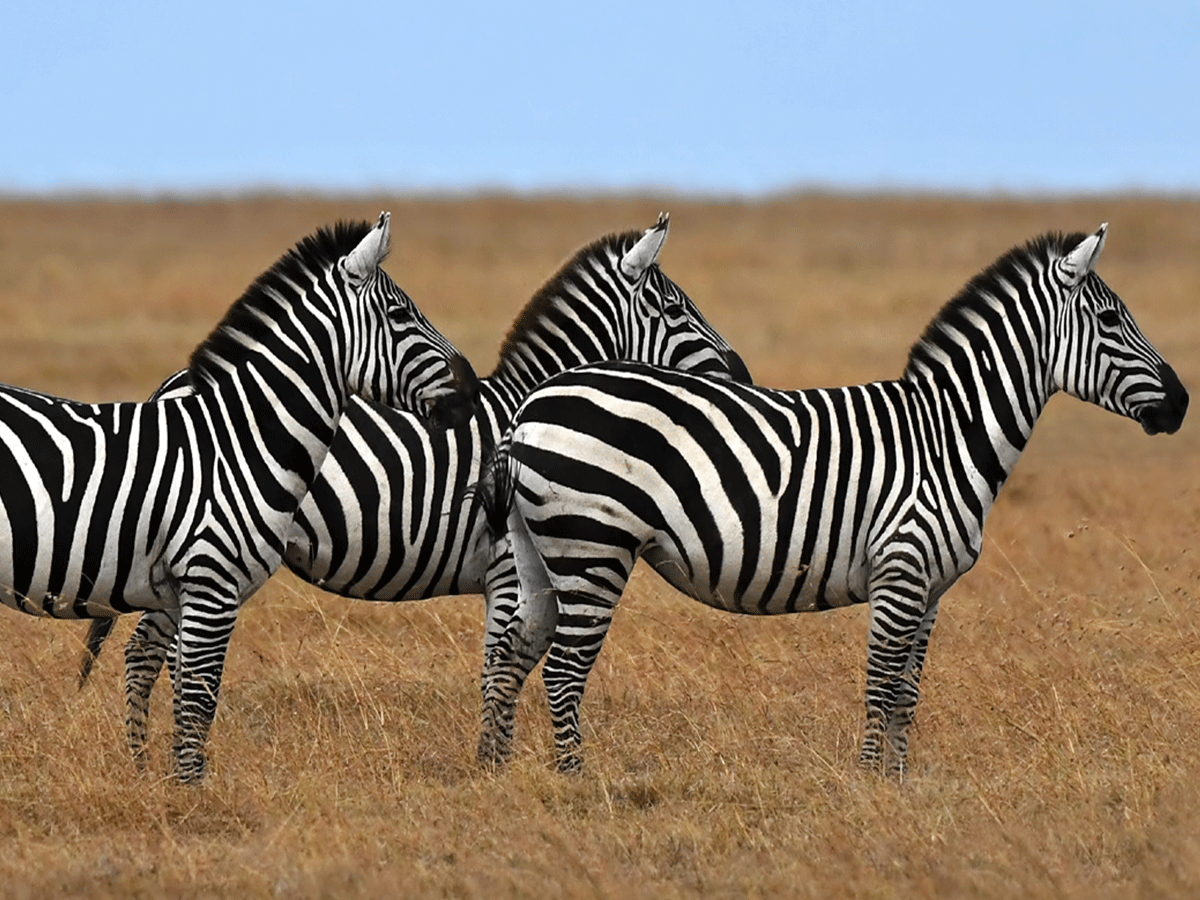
(542, 304)
(250, 314)
(1007, 270)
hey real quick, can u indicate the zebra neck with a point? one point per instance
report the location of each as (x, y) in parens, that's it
(978, 416)
(279, 430)
(495, 407)
(526, 366)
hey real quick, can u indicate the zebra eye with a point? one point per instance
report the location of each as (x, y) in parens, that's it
(397, 314)
(672, 305)
(1109, 318)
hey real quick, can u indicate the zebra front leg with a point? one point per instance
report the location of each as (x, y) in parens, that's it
(520, 626)
(205, 627)
(150, 644)
(908, 688)
(897, 606)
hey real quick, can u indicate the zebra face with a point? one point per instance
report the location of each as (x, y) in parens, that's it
(688, 342)
(401, 360)
(435, 379)
(666, 328)
(1106, 359)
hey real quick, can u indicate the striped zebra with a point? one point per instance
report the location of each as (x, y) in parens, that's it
(391, 516)
(184, 505)
(765, 501)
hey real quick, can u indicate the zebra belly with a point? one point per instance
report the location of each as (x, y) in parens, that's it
(748, 499)
(67, 591)
(771, 589)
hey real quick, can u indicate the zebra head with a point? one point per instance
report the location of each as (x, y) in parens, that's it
(668, 328)
(1103, 356)
(400, 358)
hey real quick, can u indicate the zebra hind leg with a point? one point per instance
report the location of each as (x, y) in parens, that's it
(145, 652)
(520, 625)
(583, 624)
(505, 671)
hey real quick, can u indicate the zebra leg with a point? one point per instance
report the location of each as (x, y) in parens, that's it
(521, 618)
(908, 689)
(148, 646)
(898, 604)
(205, 627)
(501, 593)
(583, 621)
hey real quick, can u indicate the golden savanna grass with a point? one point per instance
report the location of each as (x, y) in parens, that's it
(1057, 745)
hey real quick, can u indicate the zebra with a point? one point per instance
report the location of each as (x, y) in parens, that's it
(183, 505)
(391, 516)
(763, 501)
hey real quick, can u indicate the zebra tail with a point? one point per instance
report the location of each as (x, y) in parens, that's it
(98, 630)
(496, 488)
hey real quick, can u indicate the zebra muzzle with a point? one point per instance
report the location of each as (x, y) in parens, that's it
(1167, 415)
(456, 406)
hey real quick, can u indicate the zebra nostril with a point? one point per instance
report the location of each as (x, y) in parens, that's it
(465, 378)
(1176, 394)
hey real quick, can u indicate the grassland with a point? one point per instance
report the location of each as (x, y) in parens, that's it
(1057, 744)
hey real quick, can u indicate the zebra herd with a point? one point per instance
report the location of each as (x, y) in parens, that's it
(327, 426)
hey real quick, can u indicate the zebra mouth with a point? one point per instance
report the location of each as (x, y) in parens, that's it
(737, 368)
(729, 367)
(1167, 414)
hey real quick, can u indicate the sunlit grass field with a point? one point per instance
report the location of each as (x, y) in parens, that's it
(1057, 744)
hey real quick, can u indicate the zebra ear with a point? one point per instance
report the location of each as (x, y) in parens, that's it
(1080, 261)
(645, 252)
(364, 259)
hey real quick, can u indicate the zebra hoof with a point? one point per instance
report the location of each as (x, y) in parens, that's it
(493, 753)
(191, 771)
(870, 763)
(570, 763)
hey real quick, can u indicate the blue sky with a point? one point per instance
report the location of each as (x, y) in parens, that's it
(725, 98)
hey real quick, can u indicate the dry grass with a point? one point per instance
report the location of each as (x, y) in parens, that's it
(1057, 747)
